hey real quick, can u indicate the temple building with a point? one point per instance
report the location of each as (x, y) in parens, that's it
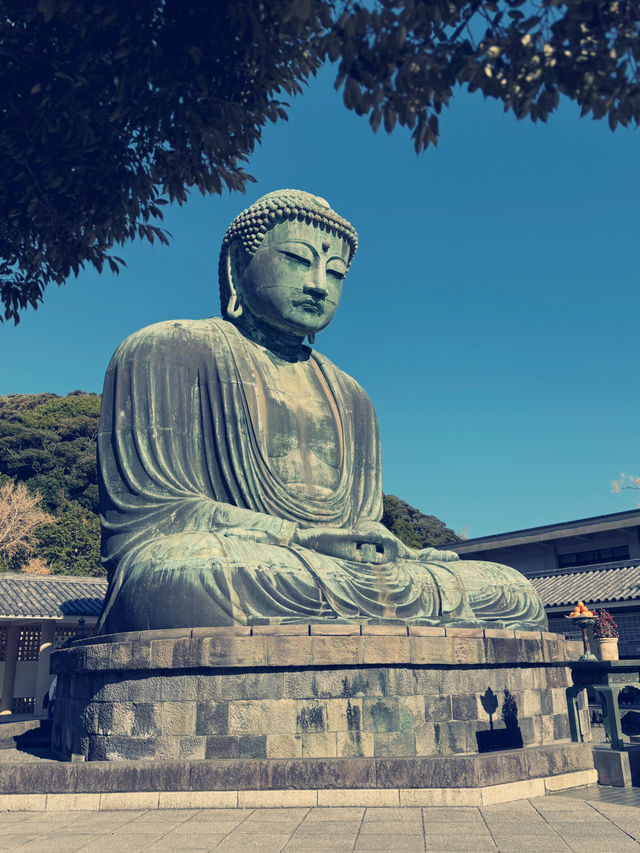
(595, 560)
(37, 615)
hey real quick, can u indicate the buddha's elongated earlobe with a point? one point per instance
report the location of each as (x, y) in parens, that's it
(234, 308)
(311, 338)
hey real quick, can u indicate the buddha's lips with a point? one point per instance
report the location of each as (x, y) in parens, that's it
(310, 305)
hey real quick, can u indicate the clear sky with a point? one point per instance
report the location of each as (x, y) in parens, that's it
(491, 312)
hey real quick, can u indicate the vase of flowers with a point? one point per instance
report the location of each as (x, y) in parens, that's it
(605, 636)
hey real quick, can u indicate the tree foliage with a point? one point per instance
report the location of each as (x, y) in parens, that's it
(47, 445)
(626, 481)
(20, 517)
(413, 527)
(108, 110)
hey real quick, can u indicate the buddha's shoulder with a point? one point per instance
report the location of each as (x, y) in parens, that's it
(174, 335)
(338, 375)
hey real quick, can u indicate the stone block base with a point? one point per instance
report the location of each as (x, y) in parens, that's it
(316, 692)
(478, 780)
(617, 767)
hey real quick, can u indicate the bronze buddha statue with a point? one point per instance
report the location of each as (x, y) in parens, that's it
(239, 469)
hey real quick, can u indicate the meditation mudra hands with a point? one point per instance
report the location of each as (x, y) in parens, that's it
(370, 542)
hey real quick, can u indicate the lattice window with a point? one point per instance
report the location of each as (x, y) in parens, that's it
(28, 643)
(4, 630)
(629, 626)
(24, 705)
(63, 634)
(562, 626)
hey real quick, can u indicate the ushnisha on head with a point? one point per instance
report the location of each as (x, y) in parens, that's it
(249, 228)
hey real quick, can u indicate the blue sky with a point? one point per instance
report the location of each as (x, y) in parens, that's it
(491, 312)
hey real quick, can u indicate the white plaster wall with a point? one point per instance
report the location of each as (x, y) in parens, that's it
(26, 678)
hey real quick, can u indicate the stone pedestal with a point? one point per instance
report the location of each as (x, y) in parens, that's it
(310, 691)
(617, 767)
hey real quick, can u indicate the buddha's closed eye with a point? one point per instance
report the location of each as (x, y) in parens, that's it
(292, 256)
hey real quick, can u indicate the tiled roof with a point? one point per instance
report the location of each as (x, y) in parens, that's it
(50, 597)
(621, 583)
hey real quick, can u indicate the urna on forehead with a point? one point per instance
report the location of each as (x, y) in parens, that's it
(282, 205)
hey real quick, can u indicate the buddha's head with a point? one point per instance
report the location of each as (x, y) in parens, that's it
(283, 261)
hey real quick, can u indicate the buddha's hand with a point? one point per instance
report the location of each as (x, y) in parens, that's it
(370, 542)
(427, 554)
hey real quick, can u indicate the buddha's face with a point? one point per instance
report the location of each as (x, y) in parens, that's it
(293, 282)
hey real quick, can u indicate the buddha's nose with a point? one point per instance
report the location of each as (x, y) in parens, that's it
(316, 284)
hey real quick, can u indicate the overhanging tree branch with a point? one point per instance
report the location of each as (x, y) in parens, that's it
(108, 110)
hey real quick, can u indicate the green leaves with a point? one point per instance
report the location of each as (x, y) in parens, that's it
(412, 527)
(48, 444)
(109, 109)
(402, 61)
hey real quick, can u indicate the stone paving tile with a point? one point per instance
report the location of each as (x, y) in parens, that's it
(315, 838)
(224, 814)
(106, 845)
(587, 818)
(167, 815)
(307, 847)
(542, 846)
(454, 842)
(215, 827)
(279, 814)
(10, 841)
(624, 796)
(330, 824)
(523, 827)
(455, 814)
(391, 813)
(621, 815)
(100, 821)
(239, 842)
(355, 813)
(201, 828)
(460, 828)
(43, 818)
(328, 830)
(328, 827)
(167, 848)
(60, 845)
(510, 810)
(530, 842)
(597, 846)
(559, 804)
(393, 827)
(581, 830)
(186, 846)
(405, 843)
(273, 826)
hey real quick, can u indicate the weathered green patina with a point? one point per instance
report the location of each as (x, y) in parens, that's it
(240, 472)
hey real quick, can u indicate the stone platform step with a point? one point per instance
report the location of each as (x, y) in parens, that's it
(472, 780)
(25, 733)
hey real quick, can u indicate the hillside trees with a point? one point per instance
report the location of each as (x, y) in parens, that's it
(20, 518)
(109, 110)
(413, 528)
(47, 445)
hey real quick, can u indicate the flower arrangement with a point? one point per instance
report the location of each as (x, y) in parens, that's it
(605, 627)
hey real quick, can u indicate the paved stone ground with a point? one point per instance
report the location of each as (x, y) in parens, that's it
(585, 821)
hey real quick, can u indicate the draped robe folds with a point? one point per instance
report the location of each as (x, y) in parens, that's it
(197, 528)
